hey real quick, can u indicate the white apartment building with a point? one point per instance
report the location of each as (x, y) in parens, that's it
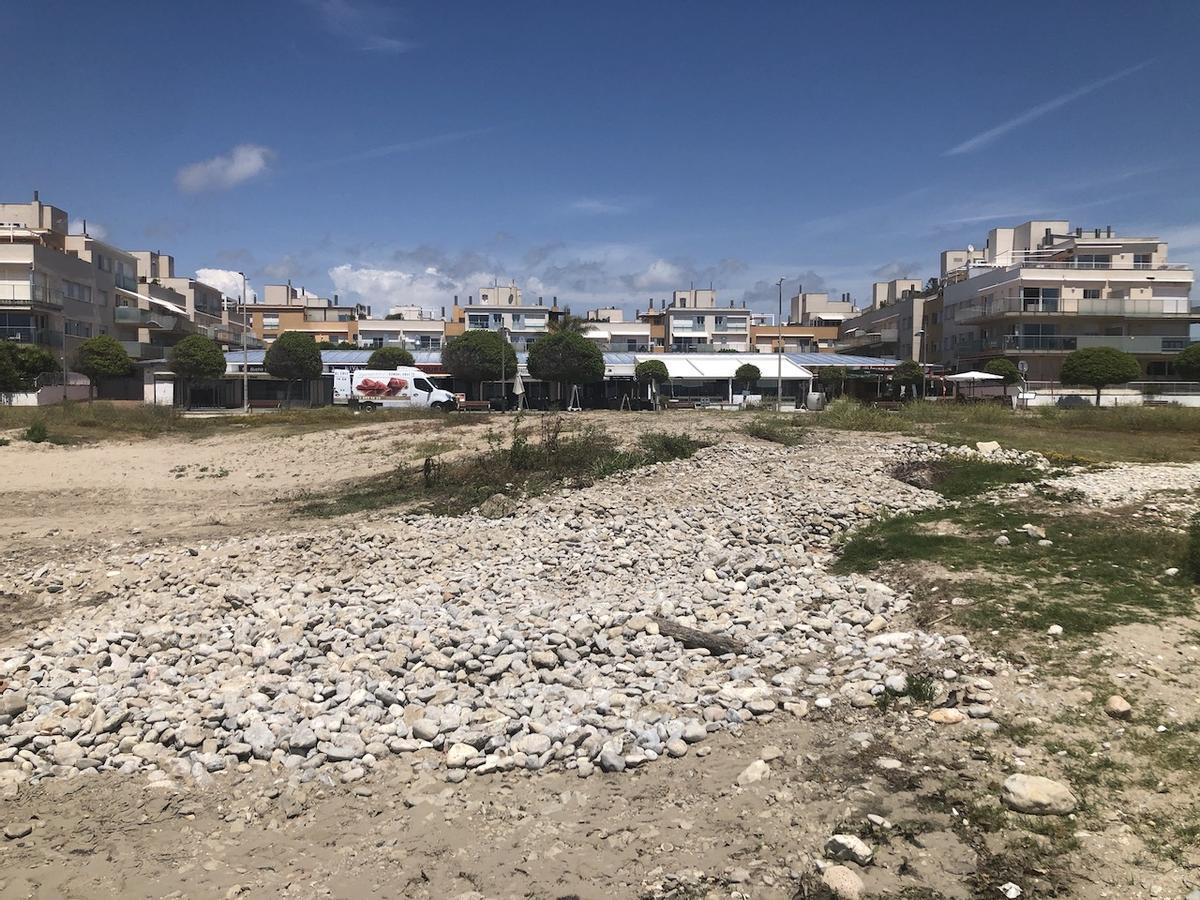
(896, 325)
(609, 330)
(500, 307)
(410, 327)
(1041, 290)
(694, 323)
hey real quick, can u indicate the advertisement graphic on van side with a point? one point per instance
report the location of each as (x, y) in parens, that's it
(403, 387)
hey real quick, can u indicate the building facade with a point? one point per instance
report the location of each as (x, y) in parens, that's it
(1040, 290)
(284, 308)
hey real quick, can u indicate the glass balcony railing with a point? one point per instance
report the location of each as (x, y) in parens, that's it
(1065, 343)
(1154, 307)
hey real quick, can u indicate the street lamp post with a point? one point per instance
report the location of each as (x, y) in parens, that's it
(245, 352)
(504, 336)
(920, 336)
(779, 352)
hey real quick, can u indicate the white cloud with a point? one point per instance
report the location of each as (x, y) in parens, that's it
(94, 229)
(659, 275)
(227, 282)
(429, 288)
(243, 162)
(1036, 112)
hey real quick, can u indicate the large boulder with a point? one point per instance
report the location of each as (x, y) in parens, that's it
(1037, 796)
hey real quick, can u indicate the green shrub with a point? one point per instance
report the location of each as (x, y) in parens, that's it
(788, 432)
(37, 433)
(661, 446)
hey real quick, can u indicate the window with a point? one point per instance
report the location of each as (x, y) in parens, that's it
(1093, 261)
(103, 297)
(1091, 293)
(80, 292)
(1142, 260)
(72, 328)
(1174, 343)
(1039, 299)
(270, 321)
(477, 322)
(422, 385)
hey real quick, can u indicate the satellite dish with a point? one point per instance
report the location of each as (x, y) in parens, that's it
(970, 248)
(1022, 367)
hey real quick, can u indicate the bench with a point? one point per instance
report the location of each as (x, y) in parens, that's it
(265, 404)
(893, 405)
(475, 405)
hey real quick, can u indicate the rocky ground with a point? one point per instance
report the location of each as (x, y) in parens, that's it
(508, 707)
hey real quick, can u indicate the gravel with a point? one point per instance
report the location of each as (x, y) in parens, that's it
(521, 643)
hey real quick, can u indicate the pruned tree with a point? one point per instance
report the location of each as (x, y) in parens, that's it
(1006, 369)
(99, 357)
(389, 358)
(747, 374)
(293, 357)
(195, 358)
(1099, 367)
(1187, 363)
(833, 375)
(479, 356)
(569, 323)
(652, 372)
(566, 357)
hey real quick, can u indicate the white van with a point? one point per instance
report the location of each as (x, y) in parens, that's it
(389, 388)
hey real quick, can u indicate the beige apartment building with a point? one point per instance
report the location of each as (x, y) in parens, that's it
(1041, 290)
(284, 308)
(49, 295)
(898, 324)
(612, 333)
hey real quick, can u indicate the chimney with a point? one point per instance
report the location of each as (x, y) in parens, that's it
(1109, 229)
(456, 299)
(1078, 232)
(85, 227)
(1097, 232)
(444, 308)
(35, 197)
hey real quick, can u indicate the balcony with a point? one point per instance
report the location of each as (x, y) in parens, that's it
(21, 335)
(21, 293)
(145, 318)
(1065, 343)
(1122, 307)
(127, 282)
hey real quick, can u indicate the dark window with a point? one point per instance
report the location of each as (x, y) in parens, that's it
(1091, 293)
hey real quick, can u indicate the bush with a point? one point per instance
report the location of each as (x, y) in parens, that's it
(789, 433)
(1099, 367)
(37, 433)
(908, 372)
(390, 358)
(1187, 363)
(196, 356)
(850, 415)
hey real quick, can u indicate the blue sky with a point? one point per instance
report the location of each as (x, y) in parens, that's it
(606, 152)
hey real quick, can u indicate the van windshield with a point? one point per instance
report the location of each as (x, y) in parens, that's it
(422, 385)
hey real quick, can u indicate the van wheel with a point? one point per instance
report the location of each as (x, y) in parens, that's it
(439, 405)
(369, 407)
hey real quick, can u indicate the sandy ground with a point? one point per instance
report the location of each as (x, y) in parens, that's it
(144, 491)
(676, 829)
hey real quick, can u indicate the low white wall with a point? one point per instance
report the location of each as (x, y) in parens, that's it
(46, 396)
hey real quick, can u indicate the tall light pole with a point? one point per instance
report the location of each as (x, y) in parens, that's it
(245, 352)
(504, 336)
(919, 334)
(779, 352)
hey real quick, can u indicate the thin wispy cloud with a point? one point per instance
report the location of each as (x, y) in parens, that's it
(595, 206)
(367, 25)
(437, 140)
(1036, 112)
(242, 163)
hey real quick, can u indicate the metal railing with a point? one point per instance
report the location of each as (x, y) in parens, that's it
(23, 294)
(1065, 343)
(19, 334)
(1154, 307)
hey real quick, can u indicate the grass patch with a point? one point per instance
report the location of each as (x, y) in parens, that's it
(958, 478)
(777, 429)
(526, 467)
(1101, 570)
(1087, 434)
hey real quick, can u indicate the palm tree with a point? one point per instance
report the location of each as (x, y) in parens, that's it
(569, 323)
